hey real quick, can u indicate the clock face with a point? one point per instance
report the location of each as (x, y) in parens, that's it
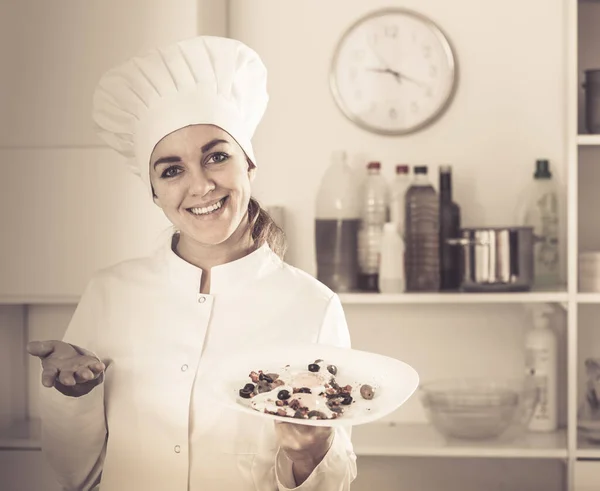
(393, 72)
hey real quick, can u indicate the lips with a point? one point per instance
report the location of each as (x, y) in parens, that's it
(209, 209)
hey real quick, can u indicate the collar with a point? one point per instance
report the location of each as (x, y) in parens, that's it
(224, 278)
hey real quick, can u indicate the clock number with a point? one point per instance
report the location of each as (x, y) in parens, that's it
(359, 55)
(391, 31)
(433, 71)
(429, 92)
(427, 51)
(393, 113)
(414, 107)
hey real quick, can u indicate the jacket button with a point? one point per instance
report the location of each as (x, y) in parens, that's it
(202, 299)
(184, 368)
(177, 449)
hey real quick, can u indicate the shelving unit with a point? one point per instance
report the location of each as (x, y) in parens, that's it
(386, 440)
(22, 435)
(422, 440)
(588, 140)
(557, 296)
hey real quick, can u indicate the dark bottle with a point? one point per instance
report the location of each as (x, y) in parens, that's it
(422, 234)
(450, 255)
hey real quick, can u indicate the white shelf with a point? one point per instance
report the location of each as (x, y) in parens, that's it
(21, 435)
(586, 450)
(39, 300)
(588, 140)
(548, 296)
(454, 298)
(422, 440)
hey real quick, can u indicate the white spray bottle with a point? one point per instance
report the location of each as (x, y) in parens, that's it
(541, 363)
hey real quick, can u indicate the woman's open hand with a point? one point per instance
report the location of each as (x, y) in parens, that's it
(69, 371)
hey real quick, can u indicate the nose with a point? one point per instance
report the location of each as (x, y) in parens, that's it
(200, 183)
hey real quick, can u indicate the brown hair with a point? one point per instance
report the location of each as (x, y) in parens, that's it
(264, 229)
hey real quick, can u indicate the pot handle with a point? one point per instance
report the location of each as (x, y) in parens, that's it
(467, 242)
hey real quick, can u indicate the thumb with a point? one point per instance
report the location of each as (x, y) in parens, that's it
(40, 348)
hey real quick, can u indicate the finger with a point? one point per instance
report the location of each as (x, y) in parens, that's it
(40, 348)
(97, 367)
(66, 377)
(83, 374)
(49, 376)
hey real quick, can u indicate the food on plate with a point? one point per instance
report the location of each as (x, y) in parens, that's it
(366, 391)
(313, 393)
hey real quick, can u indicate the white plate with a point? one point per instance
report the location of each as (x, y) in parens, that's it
(393, 381)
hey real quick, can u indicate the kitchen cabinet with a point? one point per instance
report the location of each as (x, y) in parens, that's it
(79, 210)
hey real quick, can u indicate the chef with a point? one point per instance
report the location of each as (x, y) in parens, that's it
(124, 403)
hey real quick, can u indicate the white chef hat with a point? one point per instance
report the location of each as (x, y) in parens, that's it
(207, 79)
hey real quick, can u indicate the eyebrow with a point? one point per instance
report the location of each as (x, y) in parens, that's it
(173, 158)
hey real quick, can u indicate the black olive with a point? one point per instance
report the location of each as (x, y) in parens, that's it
(283, 395)
(304, 390)
(318, 414)
(248, 388)
(332, 369)
(299, 415)
(347, 400)
(245, 394)
(313, 367)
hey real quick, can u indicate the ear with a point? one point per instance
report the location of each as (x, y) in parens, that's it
(251, 170)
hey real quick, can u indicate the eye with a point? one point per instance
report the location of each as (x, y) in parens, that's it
(217, 158)
(170, 172)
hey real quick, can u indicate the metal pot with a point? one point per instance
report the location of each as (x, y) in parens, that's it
(496, 259)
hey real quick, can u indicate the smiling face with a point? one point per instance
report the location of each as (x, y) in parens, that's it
(201, 178)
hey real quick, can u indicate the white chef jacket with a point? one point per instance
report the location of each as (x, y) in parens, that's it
(149, 425)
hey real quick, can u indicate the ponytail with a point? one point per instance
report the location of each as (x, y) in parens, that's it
(264, 229)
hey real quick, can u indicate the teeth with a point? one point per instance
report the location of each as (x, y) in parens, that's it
(207, 210)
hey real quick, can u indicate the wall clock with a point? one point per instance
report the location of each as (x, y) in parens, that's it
(393, 72)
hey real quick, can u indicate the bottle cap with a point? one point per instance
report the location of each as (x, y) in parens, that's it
(420, 169)
(445, 169)
(402, 169)
(374, 165)
(542, 169)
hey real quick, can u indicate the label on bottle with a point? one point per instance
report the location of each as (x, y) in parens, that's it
(537, 363)
(547, 248)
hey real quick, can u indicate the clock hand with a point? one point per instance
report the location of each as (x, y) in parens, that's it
(398, 76)
(410, 79)
(387, 70)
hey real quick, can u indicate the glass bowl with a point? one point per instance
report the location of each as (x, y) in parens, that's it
(479, 409)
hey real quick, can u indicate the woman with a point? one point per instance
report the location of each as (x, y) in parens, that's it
(129, 410)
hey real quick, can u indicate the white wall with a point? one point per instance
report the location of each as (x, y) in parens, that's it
(507, 112)
(508, 109)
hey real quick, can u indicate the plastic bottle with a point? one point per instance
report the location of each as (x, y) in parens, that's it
(336, 226)
(375, 203)
(539, 209)
(450, 256)
(422, 234)
(541, 363)
(391, 266)
(397, 197)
